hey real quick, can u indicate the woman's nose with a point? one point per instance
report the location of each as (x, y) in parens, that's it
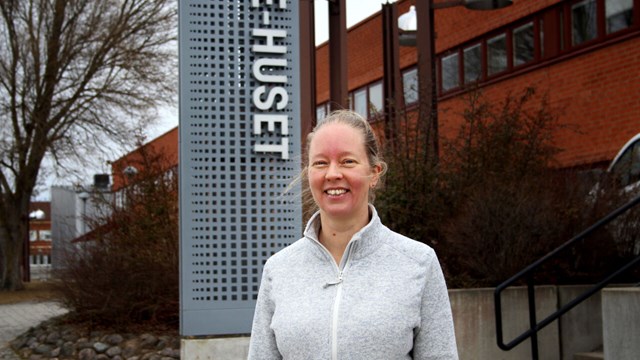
(333, 172)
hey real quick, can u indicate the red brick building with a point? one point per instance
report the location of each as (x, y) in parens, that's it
(584, 53)
(164, 146)
(40, 233)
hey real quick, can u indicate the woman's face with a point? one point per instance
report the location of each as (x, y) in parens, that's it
(340, 175)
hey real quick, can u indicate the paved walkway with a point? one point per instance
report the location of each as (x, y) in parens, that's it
(15, 319)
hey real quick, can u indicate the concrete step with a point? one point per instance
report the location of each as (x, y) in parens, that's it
(594, 355)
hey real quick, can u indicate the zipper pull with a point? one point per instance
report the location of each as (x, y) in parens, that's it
(331, 283)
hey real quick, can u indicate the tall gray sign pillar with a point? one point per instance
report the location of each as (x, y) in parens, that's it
(239, 150)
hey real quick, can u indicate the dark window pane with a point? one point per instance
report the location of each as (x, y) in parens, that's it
(583, 21)
(472, 63)
(497, 54)
(410, 86)
(619, 14)
(523, 44)
(450, 78)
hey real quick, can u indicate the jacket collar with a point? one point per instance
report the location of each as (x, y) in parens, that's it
(364, 242)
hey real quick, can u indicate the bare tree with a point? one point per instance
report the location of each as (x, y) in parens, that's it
(72, 74)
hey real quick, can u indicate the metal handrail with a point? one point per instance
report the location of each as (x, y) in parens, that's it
(527, 272)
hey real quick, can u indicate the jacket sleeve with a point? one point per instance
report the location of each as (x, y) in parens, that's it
(435, 339)
(263, 340)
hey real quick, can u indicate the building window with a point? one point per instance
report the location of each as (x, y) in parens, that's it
(583, 21)
(559, 29)
(45, 235)
(410, 86)
(627, 169)
(497, 54)
(350, 102)
(360, 102)
(368, 101)
(472, 63)
(321, 112)
(376, 99)
(39, 259)
(523, 44)
(450, 76)
(619, 14)
(33, 235)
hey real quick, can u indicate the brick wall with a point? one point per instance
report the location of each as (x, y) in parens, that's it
(166, 146)
(596, 91)
(595, 95)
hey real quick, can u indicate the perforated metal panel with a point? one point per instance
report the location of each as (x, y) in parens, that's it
(239, 149)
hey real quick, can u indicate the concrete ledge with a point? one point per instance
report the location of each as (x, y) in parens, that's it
(227, 348)
(588, 356)
(621, 322)
(474, 319)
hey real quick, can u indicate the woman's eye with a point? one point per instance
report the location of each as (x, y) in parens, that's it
(349, 162)
(319, 163)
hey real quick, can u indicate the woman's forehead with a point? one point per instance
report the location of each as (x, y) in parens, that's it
(337, 138)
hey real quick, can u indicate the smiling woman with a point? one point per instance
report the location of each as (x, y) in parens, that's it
(351, 288)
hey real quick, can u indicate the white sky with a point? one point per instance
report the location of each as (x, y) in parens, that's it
(357, 10)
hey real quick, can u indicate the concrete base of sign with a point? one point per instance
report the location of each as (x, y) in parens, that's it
(227, 348)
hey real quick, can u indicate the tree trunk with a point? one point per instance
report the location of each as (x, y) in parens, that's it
(13, 232)
(11, 254)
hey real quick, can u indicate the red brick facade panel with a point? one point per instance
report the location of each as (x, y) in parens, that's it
(165, 146)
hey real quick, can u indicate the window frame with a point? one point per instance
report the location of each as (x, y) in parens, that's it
(439, 69)
(45, 235)
(552, 37)
(366, 89)
(414, 70)
(483, 60)
(535, 30)
(606, 18)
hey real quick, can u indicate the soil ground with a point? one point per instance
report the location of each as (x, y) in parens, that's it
(33, 291)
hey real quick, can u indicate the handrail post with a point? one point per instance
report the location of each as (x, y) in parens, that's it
(497, 302)
(532, 316)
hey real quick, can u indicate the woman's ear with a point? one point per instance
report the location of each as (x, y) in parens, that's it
(375, 174)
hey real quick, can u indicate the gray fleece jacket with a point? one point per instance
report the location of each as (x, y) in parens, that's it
(387, 299)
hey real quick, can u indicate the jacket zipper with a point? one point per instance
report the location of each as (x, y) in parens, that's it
(334, 320)
(336, 302)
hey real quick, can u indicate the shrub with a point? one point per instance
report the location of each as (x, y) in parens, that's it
(491, 205)
(126, 270)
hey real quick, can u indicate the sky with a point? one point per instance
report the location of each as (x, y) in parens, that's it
(357, 10)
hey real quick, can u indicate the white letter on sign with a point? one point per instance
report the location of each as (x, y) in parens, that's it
(271, 121)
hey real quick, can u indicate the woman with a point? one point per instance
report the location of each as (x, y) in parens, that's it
(351, 288)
